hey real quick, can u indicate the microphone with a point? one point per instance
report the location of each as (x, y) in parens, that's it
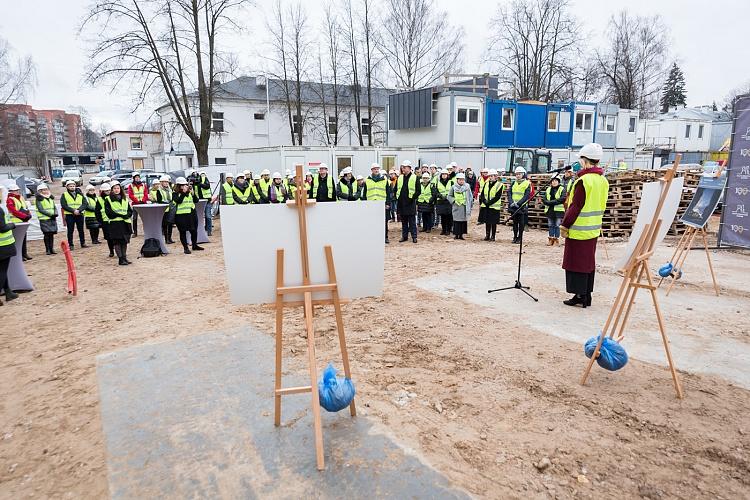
(561, 169)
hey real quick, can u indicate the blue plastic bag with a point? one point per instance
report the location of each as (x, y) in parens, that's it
(335, 393)
(666, 270)
(612, 355)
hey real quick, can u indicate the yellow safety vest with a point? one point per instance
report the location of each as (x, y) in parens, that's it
(459, 197)
(242, 195)
(187, 205)
(100, 202)
(347, 189)
(73, 202)
(560, 207)
(6, 237)
(89, 212)
(229, 189)
(263, 186)
(138, 191)
(376, 190)
(518, 190)
(588, 225)
(120, 208)
(443, 189)
(412, 185)
(47, 204)
(18, 204)
(426, 194)
(316, 182)
(491, 192)
(200, 192)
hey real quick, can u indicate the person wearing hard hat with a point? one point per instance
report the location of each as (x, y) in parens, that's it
(101, 215)
(262, 186)
(451, 167)
(426, 202)
(407, 192)
(242, 192)
(582, 225)
(554, 199)
(461, 199)
(484, 174)
(360, 186)
(73, 204)
(518, 200)
(567, 181)
(347, 187)
(164, 196)
(19, 212)
(185, 217)
(202, 188)
(138, 195)
(226, 193)
(119, 213)
(277, 192)
(7, 246)
(471, 180)
(377, 188)
(323, 186)
(434, 173)
(491, 200)
(152, 191)
(46, 212)
(442, 205)
(89, 213)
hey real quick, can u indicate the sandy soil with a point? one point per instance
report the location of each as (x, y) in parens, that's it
(493, 404)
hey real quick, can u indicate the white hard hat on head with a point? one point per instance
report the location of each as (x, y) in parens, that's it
(288, 172)
(460, 176)
(347, 170)
(105, 187)
(42, 186)
(14, 187)
(322, 166)
(492, 171)
(202, 172)
(432, 165)
(265, 171)
(246, 173)
(393, 171)
(165, 178)
(89, 187)
(180, 181)
(484, 169)
(114, 183)
(450, 165)
(374, 165)
(134, 174)
(155, 182)
(228, 175)
(308, 173)
(444, 171)
(520, 170)
(277, 175)
(69, 181)
(592, 151)
(426, 176)
(406, 163)
(360, 178)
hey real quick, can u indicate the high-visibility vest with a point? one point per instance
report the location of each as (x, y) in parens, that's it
(187, 205)
(550, 196)
(120, 208)
(482, 182)
(518, 189)
(100, 202)
(459, 197)
(376, 190)
(6, 237)
(426, 194)
(47, 204)
(73, 202)
(138, 192)
(412, 185)
(263, 186)
(200, 192)
(18, 204)
(348, 189)
(316, 183)
(567, 184)
(90, 205)
(229, 189)
(490, 191)
(242, 195)
(588, 224)
(443, 189)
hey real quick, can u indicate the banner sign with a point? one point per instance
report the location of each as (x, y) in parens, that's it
(735, 228)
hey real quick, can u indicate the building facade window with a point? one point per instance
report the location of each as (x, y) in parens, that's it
(365, 126)
(342, 162)
(631, 125)
(137, 164)
(700, 131)
(467, 115)
(687, 131)
(388, 162)
(217, 121)
(508, 118)
(220, 161)
(135, 143)
(297, 124)
(552, 120)
(606, 123)
(584, 120)
(259, 116)
(333, 125)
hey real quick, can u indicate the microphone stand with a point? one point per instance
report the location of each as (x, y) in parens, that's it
(518, 285)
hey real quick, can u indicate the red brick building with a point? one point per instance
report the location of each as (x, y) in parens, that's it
(25, 131)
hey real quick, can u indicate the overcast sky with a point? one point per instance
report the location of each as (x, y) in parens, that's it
(709, 41)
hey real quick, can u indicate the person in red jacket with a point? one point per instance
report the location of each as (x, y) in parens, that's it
(138, 194)
(19, 211)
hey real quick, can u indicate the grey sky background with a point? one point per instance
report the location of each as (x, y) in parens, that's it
(708, 39)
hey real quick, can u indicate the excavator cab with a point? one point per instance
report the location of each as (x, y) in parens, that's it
(535, 161)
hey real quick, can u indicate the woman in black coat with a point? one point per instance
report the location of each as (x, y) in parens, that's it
(442, 205)
(6, 252)
(120, 215)
(185, 217)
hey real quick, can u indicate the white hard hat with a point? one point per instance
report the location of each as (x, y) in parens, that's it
(181, 180)
(592, 151)
(453, 164)
(406, 163)
(241, 174)
(360, 178)
(444, 171)
(288, 172)
(347, 170)
(308, 173)
(155, 182)
(105, 187)
(290, 176)
(202, 172)
(89, 187)
(432, 165)
(165, 178)
(42, 186)
(322, 166)
(135, 173)
(69, 181)
(265, 171)
(277, 175)
(14, 187)
(426, 176)
(460, 176)
(228, 175)
(450, 165)
(114, 183)
(374, 165)
(492, 171)
(484, 169)
(246, 173)
(393, 171)
(520, 170)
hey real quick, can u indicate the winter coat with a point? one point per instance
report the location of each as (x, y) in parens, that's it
(442, 205)
(6, 251)
(551, 202)
(12, 204)
(430, 204)
(277, 194)
(461, 213)
(119, 231)
(49, 225)
(407, 206)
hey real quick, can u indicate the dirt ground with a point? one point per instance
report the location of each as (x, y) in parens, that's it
(491, 403)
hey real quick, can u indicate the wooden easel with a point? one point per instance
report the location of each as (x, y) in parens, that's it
(683, 249)
(634, 272)
(307, 289)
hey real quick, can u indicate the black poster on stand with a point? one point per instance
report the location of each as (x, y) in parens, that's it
(735, 226)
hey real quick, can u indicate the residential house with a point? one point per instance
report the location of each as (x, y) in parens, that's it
(131, 149)
(680, 130)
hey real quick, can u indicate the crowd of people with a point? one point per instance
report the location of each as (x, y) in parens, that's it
(420, 200)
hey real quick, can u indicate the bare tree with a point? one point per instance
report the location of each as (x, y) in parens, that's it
(728, 101)
(170, 48)
(352, 50)
(632, 65)
(17, 76)
(334, 53)
(370, 38)
(533, 45)
(420, 44)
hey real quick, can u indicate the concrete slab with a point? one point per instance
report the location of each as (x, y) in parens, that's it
(696, 347)
(193, 418)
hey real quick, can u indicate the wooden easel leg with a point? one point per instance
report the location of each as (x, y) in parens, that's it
(279, 336)
(708, 257)
(664, 338)
(676, 251)
(633, 293)
(339, 322)
(317, 424)
(683, 256)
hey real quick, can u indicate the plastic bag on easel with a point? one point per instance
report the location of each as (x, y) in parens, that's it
(335, 393)
(612, 355)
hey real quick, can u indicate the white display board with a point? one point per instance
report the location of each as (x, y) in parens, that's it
(649, 201)
(251, 234)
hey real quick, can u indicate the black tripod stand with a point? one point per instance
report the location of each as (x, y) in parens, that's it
(518, 285)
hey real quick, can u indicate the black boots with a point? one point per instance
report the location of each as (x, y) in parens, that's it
(186, 249)
(579, 300)
(196, 247)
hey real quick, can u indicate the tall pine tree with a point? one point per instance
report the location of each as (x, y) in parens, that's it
(673, 92)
